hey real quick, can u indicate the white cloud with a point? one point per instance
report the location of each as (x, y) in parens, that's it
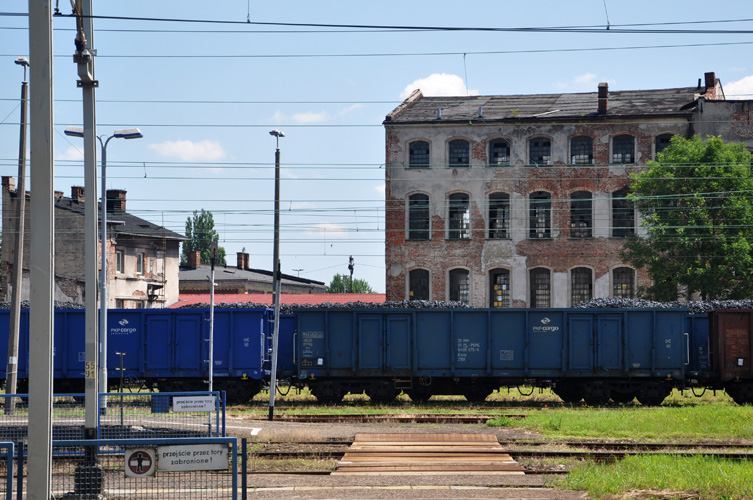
(191, 151)
(279, 117)
(585, 79)
(350, 109)
(380, 189)
(328, 229)
(439, 85)
(587, 82)
(741, 89)
(310, 117)
(72, 153)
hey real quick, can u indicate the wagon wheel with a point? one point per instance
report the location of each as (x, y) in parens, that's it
(328, 395)
(419, 394)
(567, 393)
(741, 394)
(477, 395)
(623, 397)
(382, 395)
(653, 395)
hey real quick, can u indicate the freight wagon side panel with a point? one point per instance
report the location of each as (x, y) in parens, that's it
(311, 345)
(734, 346)
(23, 343)
(69, 344)
(398, 342)
(370, 346)
(471, 342)
(699, 327)
(158, 343)
(545, 342)
(340, 334)
(125, 334)
(657, 346)
(432, 347)
(285, 345)
(609, 339)
(580, 346)
(508, 342)
(190, 347)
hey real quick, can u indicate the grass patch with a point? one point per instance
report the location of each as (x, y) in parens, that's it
(704, 422)
(663, 476)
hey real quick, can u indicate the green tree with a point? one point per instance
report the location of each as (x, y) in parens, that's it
(341, 284)
(696, 209)
(201, 234)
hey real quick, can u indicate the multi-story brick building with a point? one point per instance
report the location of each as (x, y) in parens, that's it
(519, 201)
(142, 258)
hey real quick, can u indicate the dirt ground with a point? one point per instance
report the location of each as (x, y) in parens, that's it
(384, 487)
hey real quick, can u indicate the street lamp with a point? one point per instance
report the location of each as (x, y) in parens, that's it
(275, 275)
(127, 133)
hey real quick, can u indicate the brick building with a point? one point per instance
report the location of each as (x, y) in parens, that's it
(142, 258)
(519, 201)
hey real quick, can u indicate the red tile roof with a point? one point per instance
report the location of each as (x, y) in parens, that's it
(287, 298)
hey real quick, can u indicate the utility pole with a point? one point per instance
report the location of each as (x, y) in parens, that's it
(275, 276)
(11, 380)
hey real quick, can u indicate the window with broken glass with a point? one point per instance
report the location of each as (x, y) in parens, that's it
(418, 284)
(623, 283)
(418, 217)
(418, 155)
(581, 218)
(460, 217)
(581, 285)
(540, 287)
(623, 215)
(460, 285)
(460, 154)
(540, 151)
(623, 149)
(499, 215)
(581, 151)
(540, 215)
(499, 293)
(499, 153)
(662, 141)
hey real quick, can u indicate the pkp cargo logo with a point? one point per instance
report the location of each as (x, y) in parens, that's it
(545, 321)
(123, 322)
(124, 328)
(546, 326)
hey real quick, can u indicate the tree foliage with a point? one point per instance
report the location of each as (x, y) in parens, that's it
(201, 234)
(695, 204)
(341, 284)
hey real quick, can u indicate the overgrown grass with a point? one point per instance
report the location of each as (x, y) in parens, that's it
(663, 476)
(710, 422)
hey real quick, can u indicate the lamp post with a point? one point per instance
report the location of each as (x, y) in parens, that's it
(128, 133)
(275, 275)
(18, 249)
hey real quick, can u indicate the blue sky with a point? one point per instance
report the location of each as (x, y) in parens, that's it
(205, 95)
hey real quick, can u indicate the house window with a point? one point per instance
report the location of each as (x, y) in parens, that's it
(160, 263)
(418, 217)
(581, 218)
(662, 141)
(460, 217)
(460, 153)
(581, 285)
(581, 151)
(540, 215)
(499, 215)
(119, 303)
(623, 215)
(119, 261)
(499, 153)
(140, 262)
(623, 149)
(499, 282)
(623, 283)
(460, 287)
(540, 151)
(540, 287)
(418, 284)
(418, 155)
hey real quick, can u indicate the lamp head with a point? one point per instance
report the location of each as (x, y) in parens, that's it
(22, 61)
(128, 133)
(74, 131)
(276, 133)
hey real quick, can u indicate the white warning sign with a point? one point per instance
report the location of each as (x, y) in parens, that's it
(193, 457)
(140, 462)
(193, 403)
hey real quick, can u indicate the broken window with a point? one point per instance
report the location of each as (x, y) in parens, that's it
(581, 150)
(499, 215)
(662, 141)
(623, 283)
(418, 217)
(623, 149)
(418, 155)
(460, 217)
(623, 215)
(499, 153)
(540, 215)
(581, 218)
(499, 282)
(460, 286)
(581, 285)
(540, 287)
(540, 151)
(460, 153)
(418, 284)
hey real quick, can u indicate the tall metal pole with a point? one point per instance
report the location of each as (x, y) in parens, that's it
(103, 386)
(213, 257)
(42, 251)
(11, 379)
(275, 278)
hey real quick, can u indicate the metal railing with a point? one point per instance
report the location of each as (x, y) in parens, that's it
(6, 470)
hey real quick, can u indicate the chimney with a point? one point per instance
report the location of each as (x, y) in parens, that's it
(603, 98)
(9, 183)
(241, 261)
(194, 259)
(116, 200)
(77, 193)
(58, 195)
(710, 79)
(246, 261)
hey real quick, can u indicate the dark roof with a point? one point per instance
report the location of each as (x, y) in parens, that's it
(122, 222)
(222, 273)
(631, 103)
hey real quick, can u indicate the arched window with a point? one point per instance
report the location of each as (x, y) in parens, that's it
(581, 150)
(418, 284)
(662, 141)
(540, 151)
(540, 215)
(541, 286)
(581, 215)
(499, 284)
(460, 217)
(623, 215)
(623, 283)
(499, 153)
(581, 285)
(499, 215)
(460, 153)
(623, 149)
(460, 286)
(418, 217)
(418, 155)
